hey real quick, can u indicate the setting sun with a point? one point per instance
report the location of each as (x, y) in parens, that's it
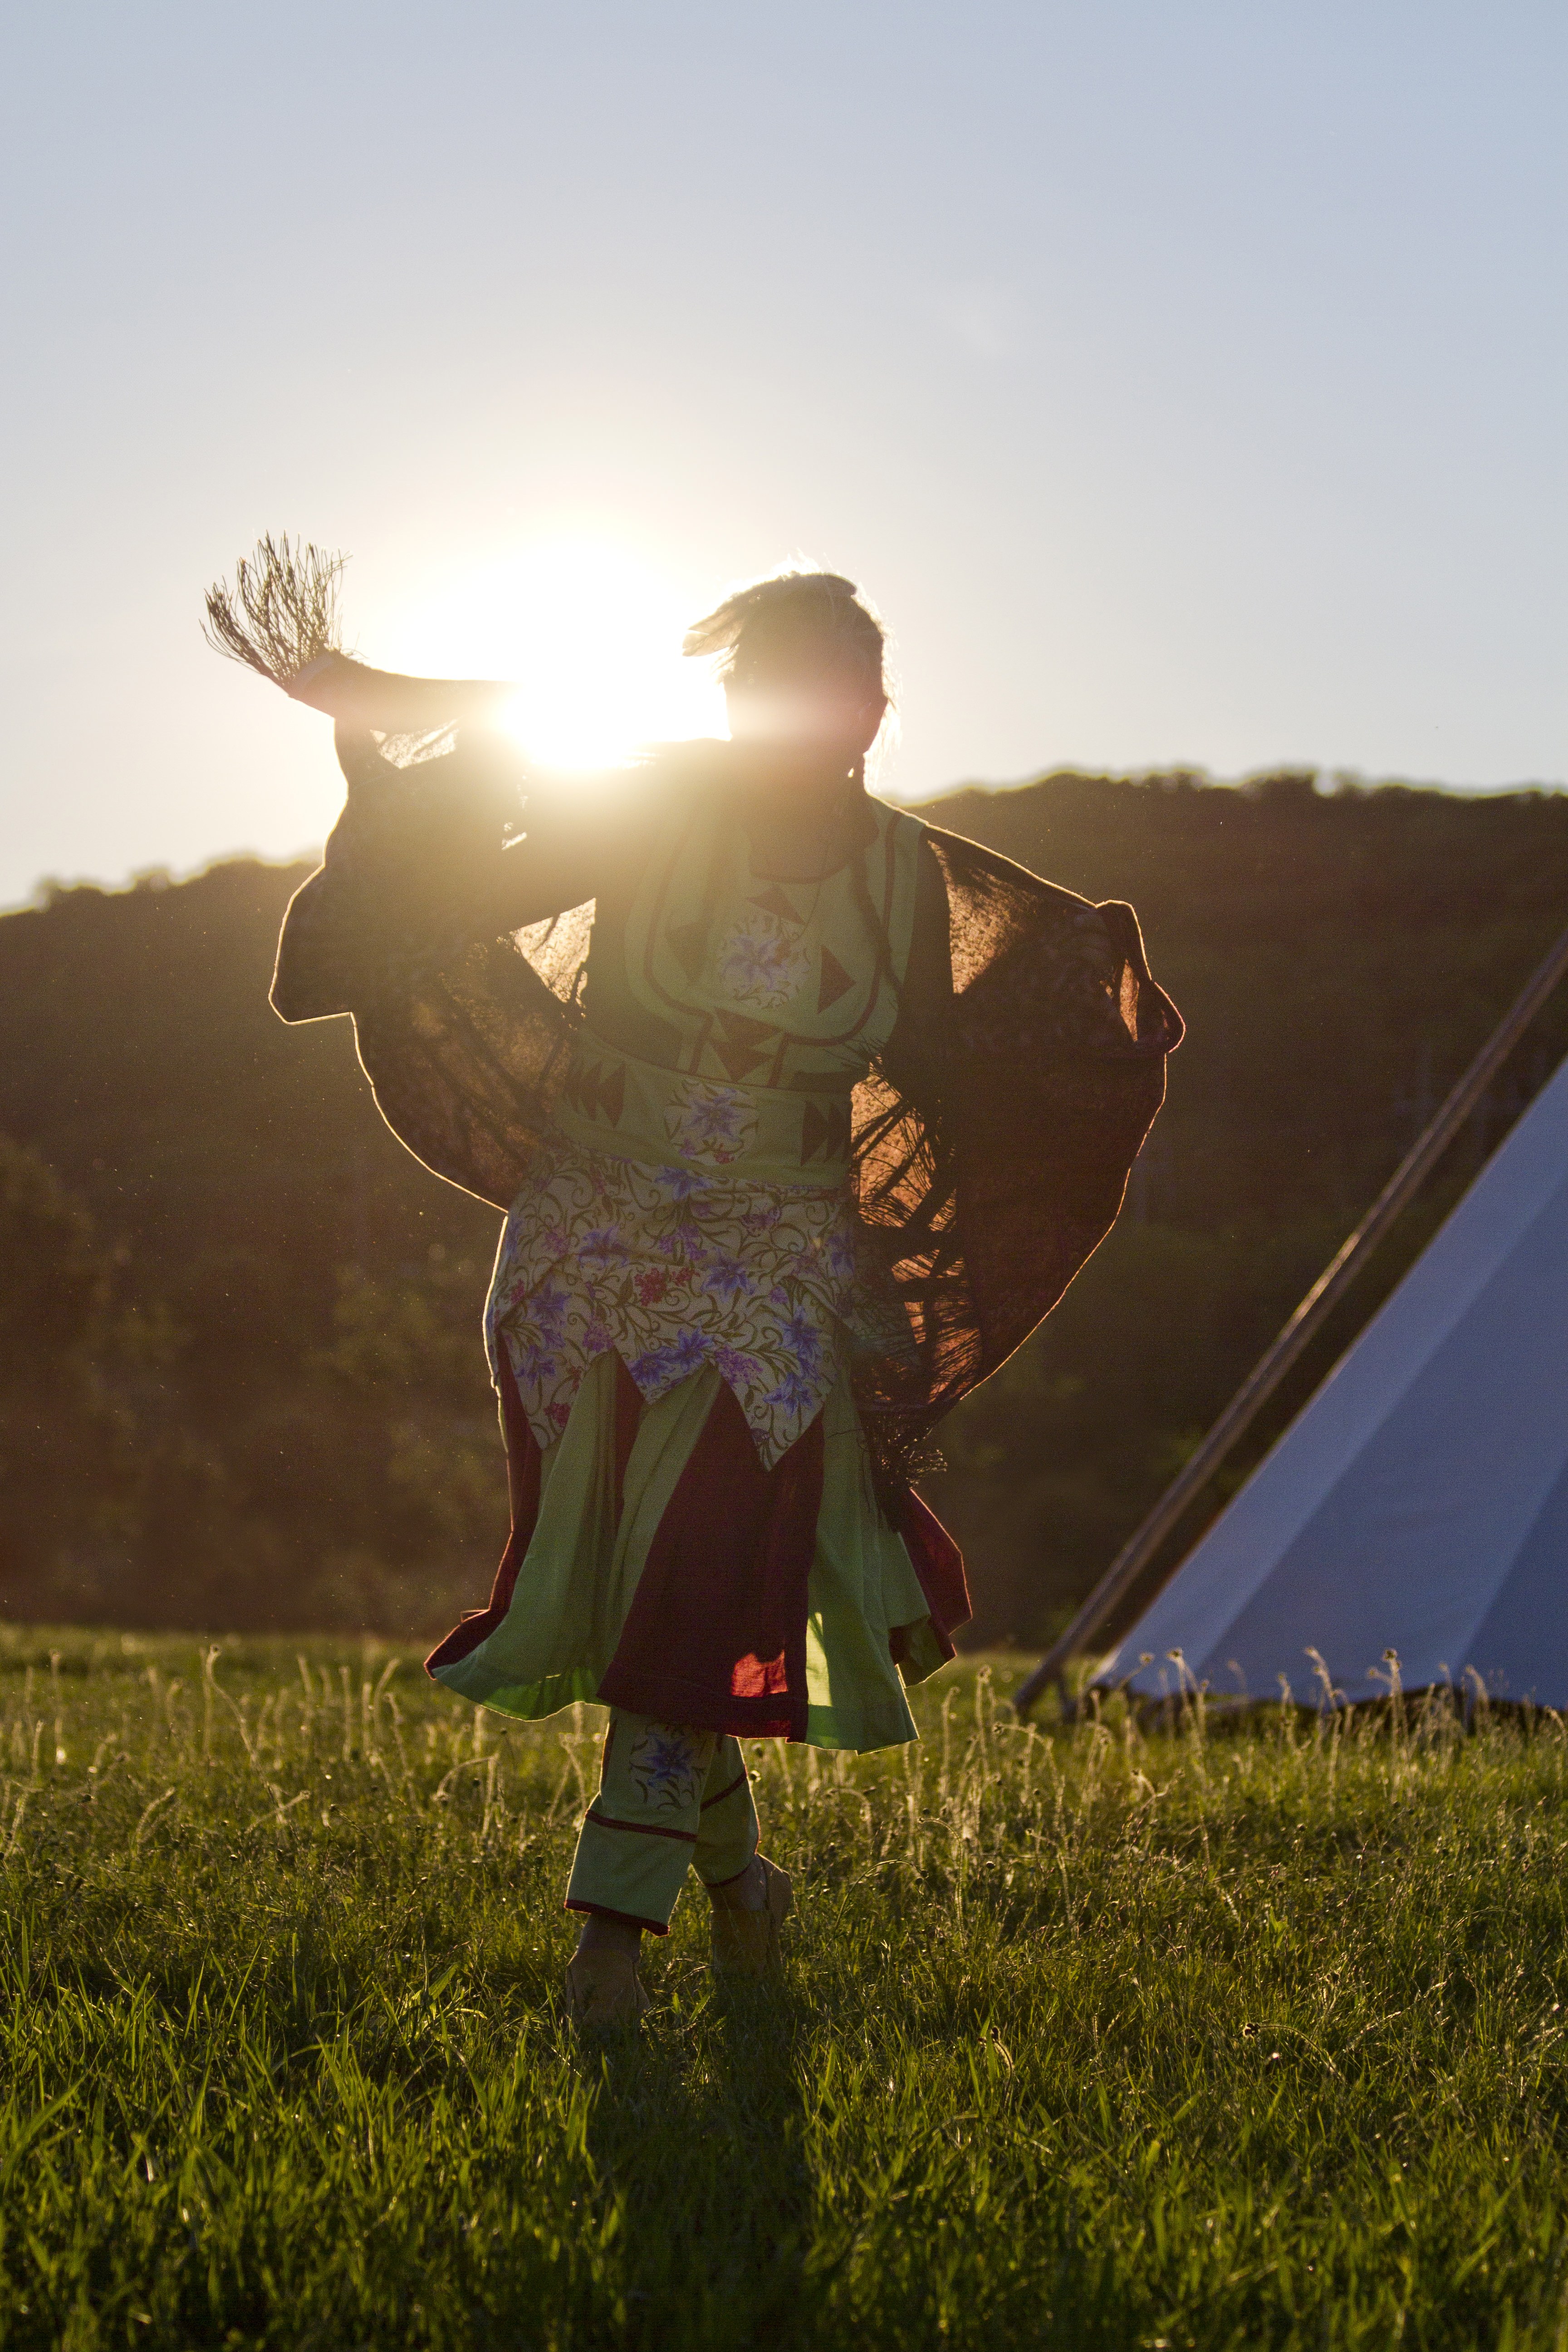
(591, 634)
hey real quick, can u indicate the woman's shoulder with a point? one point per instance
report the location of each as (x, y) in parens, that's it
(902, 842)
(896, 825)
(618, 812)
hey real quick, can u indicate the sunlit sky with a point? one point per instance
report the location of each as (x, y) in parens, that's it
(1185, 382)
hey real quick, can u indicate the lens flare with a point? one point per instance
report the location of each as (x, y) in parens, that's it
(591, 634)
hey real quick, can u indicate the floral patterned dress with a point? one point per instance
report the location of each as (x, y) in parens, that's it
(689, 1234)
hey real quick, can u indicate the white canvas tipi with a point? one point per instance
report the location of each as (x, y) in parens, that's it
(1419, 1502)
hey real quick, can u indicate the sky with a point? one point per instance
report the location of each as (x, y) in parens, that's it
(1184, 379)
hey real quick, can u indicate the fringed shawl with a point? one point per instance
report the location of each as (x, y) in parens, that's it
(991, 1151)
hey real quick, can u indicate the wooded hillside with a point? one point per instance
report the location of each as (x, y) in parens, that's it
(243, 1384)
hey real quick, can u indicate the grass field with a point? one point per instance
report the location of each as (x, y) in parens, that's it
(1196, 2036)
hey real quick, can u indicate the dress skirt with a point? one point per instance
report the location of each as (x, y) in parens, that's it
(656, 1564)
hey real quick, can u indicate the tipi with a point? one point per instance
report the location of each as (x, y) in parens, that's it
(1419, 1502)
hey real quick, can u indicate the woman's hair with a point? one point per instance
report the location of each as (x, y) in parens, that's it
(795, 621)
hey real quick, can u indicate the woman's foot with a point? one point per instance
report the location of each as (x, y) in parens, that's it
(747, 1915)
(604, 1985)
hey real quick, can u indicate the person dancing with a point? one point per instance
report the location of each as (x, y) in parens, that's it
(802, 1114)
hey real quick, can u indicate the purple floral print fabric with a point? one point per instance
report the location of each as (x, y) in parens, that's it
(675, 1269)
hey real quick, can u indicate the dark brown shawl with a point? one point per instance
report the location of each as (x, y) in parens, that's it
(991, 1151)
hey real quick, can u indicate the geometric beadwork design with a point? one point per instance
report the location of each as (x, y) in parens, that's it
(834, 981)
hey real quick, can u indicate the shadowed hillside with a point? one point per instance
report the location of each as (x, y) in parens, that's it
(242, 1371)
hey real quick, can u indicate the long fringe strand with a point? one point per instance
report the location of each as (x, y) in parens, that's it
(283, 612)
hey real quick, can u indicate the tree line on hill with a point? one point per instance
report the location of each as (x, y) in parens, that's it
(242, 1380)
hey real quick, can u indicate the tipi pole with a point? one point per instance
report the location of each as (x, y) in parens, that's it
(1267, 1374)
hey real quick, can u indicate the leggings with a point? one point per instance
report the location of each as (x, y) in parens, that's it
(670, 1796)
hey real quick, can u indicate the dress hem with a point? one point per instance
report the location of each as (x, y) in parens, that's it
(824, 1727)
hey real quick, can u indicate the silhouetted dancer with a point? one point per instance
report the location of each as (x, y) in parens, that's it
(800, 1126)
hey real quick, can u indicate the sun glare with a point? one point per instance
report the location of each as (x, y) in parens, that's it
(593, 637)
